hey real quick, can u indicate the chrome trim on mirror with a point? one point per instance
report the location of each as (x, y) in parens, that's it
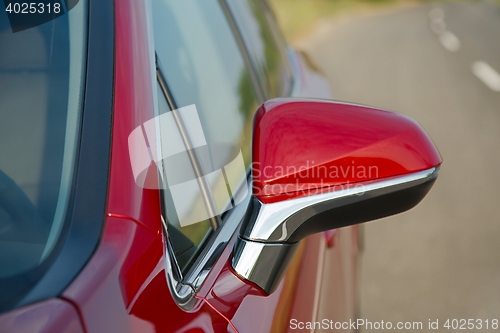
(269, 239)
(261, 263)
(276, 222)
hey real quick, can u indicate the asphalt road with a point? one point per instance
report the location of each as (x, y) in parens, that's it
(440, 260)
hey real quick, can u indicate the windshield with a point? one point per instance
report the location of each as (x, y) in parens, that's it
(41, 82)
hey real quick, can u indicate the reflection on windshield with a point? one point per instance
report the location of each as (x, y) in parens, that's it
(41, 74)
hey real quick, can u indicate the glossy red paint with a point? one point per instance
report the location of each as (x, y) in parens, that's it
(124, 288)
(330, 236)
(53, 315)
(106, 295)
(302, 147)
(133, 105)
(242, 302)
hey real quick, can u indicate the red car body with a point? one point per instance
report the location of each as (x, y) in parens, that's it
(123, 288)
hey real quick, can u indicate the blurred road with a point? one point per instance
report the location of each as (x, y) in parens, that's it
(439, 64)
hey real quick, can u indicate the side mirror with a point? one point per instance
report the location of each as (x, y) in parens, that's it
(320, 165)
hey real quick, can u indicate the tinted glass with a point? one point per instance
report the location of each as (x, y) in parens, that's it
(265, 46)
(41, 76)
(205, 71)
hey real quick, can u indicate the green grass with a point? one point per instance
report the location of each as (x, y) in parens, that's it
(297, 17)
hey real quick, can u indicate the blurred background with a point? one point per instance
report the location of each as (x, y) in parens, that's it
(439, 63)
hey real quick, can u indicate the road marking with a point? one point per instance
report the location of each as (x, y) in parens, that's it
(487, 74)
(449, 41)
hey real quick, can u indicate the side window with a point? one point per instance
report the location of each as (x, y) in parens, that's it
(205, 79)
(265, 45)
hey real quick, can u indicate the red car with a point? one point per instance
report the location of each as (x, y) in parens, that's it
(164, 167)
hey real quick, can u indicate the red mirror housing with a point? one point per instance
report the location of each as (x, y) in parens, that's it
(321, 165)
(335, 146)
